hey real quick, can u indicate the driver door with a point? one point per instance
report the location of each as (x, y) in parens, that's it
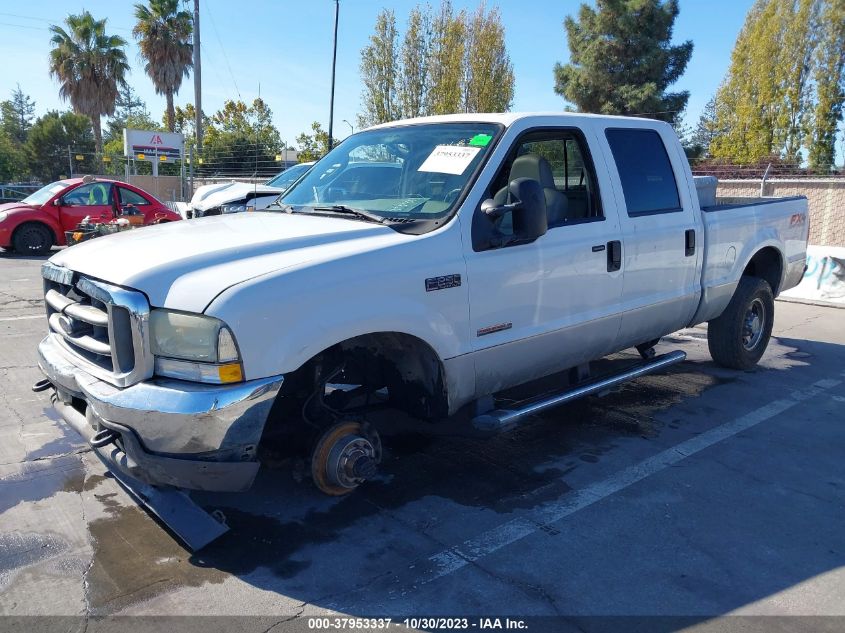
(541, 307)
(94, 199)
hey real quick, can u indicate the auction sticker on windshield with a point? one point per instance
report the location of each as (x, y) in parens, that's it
(449, 159)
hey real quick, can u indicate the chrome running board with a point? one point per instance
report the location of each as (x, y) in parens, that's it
(504, 419)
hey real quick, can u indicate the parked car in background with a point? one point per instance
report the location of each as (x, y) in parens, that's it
(234, 197)
(39, 221)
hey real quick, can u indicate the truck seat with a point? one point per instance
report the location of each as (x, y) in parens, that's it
(537, 168)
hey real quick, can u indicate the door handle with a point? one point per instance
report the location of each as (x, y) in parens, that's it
(598, 248)
(614, 255)
(689, 242)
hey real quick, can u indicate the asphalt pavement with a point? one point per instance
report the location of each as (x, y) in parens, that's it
(700, 492)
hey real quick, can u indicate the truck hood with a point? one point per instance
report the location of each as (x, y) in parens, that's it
(211, 196)
(185, 265)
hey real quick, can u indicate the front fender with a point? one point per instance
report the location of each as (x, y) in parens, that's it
(282, 320)
(16, 218)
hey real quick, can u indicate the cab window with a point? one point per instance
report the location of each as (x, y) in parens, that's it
(94, 194)
(645, 171)
(559, 160)
(127, 196)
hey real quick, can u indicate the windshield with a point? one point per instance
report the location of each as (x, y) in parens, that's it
(288, 176)
(414, 172)
(45, 193)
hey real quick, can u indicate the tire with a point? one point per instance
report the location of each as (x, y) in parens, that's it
(32, 238)
(738, 338)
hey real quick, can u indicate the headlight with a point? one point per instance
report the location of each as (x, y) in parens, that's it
(194, 347)
(236, 208)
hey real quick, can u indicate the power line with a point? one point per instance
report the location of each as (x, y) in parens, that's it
(48, 20)
(222, 50)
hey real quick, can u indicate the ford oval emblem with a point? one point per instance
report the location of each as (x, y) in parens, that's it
(66, 323)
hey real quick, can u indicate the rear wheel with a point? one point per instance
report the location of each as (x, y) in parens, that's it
(32, 239)
(738, 338)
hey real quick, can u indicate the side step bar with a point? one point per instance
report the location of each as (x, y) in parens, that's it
(505, 419)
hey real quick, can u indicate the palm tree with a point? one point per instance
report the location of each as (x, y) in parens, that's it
(90, 66)
(164, 37)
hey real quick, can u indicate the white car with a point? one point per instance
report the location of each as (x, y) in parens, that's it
(234, 197)
(481, 252)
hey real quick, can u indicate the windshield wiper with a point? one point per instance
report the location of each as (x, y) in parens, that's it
(286, 208)
(361, 213)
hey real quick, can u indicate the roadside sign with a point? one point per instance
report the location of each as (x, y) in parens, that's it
(79, 157)
(151, 142)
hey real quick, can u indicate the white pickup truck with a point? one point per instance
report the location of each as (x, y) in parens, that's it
(502, 249)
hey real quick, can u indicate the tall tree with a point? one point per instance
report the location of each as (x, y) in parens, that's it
(489, 80)
(313, 146)
(16, 115)
(413, 77)
(241, 136)
(765, 103)
(706, 130)
(379, 71)
(90, 65)
(448, 51)
(164, 33)
(622, 60)
(129, 111)
(12, 160)
(800, 25)
(56, 138)
(829, 75)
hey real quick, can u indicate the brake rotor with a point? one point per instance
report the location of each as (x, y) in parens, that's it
(345, 456)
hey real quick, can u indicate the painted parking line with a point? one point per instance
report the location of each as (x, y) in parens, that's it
(23, 318)
(459, 556)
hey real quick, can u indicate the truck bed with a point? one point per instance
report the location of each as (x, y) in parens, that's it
(735, 229)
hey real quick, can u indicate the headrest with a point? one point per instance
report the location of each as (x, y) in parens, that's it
(532, 166)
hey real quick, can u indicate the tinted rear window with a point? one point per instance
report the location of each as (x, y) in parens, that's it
(648, 181)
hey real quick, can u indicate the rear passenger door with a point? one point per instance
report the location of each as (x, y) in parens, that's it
(659, 234)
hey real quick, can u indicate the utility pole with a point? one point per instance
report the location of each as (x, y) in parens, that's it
(334, 63)
(197, 76)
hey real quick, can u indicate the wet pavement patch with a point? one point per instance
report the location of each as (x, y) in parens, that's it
(135, 559)
(41, 480)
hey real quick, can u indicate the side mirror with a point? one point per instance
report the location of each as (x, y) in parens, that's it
(530, 220)
(57, 202)
(528, 211)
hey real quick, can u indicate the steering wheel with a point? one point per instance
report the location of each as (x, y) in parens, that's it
(452, 195)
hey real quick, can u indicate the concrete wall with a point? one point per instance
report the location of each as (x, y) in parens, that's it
(825, 197)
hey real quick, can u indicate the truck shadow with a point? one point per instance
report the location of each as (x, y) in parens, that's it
(434, 492)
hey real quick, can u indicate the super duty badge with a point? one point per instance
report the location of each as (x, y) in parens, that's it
(442, 282)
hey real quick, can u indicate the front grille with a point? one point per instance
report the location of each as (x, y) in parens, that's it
(104, 327)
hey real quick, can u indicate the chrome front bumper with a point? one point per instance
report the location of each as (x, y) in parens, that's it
(168, 432)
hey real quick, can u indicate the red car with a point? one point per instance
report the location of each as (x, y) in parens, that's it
(38, 222)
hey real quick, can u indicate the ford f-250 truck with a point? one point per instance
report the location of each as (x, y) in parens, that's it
(511, 247)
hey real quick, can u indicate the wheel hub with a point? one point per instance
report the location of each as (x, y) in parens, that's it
(346, 455)
(351, 462)
(753, 324)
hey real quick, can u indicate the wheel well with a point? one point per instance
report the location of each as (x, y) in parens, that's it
(407, 366)
(39, 223)
(766, 264)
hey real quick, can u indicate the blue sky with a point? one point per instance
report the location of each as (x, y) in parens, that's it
(284, 46)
